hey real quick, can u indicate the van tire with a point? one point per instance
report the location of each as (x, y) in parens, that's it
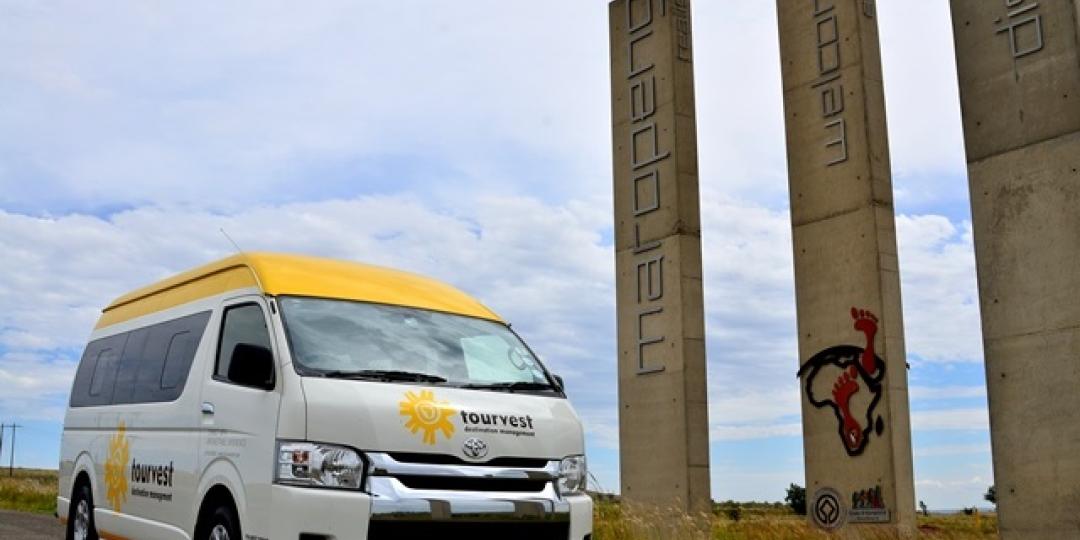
(81, 511)
(222, 525)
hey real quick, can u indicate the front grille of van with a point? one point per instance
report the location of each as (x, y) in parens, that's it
(446, 459)
(426, 530)
(439, 472)
(457, 483)
(414, 498)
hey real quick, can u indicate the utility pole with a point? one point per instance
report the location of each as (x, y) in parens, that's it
(11, 467)
(2, 426)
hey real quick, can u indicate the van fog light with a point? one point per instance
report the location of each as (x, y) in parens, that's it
(318, 465)
(573, 475)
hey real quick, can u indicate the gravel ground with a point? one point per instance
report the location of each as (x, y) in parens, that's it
(22, 526)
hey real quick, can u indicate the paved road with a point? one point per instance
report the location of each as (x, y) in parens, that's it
(20, 526)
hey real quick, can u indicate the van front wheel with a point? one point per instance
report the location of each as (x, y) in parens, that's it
(80, 524)
(223, 525)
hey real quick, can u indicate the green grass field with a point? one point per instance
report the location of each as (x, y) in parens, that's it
(32, 490)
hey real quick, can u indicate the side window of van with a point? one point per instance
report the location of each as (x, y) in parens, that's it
(177, 360)
(104, 376)
(96, 374)
(245, 355)
(146, 365)
(131, 361)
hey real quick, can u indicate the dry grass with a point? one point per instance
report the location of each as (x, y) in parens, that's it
(30, 490)
(613, 522)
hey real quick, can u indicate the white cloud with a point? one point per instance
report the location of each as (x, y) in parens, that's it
(973, 419)
(35, 386)
(952, 492)
(178, 102)
(755, 483)
(975, 480)
(930, 393)
(182, 103)
(951, 450)
(601, 423)
(741, 433)
(925, 133)
(941, 300)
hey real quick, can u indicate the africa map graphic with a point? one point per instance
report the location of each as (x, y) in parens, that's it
(856, 369)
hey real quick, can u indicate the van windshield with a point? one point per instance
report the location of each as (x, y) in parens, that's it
(380, 342)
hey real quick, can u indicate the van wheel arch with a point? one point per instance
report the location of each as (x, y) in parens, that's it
(82, 498)
(81, 478)
(216, 497)
(83, 470)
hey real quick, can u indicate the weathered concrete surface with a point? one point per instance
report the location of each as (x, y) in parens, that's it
(1019, 69)
(845, 258)
(663, 415)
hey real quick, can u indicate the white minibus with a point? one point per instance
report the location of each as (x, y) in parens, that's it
(272, 396)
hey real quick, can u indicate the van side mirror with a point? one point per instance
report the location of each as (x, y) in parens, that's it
(252, 365)
(560, 383)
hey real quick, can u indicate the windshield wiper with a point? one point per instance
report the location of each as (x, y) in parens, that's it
(384, 375)
(511, 386)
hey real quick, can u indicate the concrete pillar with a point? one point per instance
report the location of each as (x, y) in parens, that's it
(856, 426)
(1019, 68)
(663, 415)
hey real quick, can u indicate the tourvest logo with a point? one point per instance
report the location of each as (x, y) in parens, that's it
(424, 413)
(116, 484)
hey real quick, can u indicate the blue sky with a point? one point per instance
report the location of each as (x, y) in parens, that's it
(470, 142)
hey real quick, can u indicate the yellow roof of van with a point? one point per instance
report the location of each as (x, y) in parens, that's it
(283, 274)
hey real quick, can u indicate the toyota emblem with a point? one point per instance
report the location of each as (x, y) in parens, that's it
(475, 448)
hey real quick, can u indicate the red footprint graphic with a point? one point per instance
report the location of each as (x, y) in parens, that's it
(867, 323)
(861, 370)
(846, 386)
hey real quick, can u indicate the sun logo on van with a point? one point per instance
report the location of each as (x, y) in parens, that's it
(424, 413)
(116, 486)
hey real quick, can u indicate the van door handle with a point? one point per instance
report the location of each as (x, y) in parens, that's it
(208, 408)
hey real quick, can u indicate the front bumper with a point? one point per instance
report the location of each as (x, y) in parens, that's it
(323, 514)
(391, 509)
(503, 501)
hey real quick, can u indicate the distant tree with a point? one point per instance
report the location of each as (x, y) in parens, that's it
(922, 508)
(734, 512)
(970, 511)
(991, 495)
(796, 499)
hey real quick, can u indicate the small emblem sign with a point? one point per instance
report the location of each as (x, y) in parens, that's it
(475, 448)
(868, 506)
(827, 510)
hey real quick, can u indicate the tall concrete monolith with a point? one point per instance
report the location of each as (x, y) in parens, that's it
(663, 415)
(1019, 71)
(853, 377)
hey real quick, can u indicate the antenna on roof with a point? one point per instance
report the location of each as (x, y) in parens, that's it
(254, 274)
(231, 241)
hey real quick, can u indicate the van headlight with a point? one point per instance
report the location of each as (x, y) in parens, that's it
(318, 465)
(573, 476)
